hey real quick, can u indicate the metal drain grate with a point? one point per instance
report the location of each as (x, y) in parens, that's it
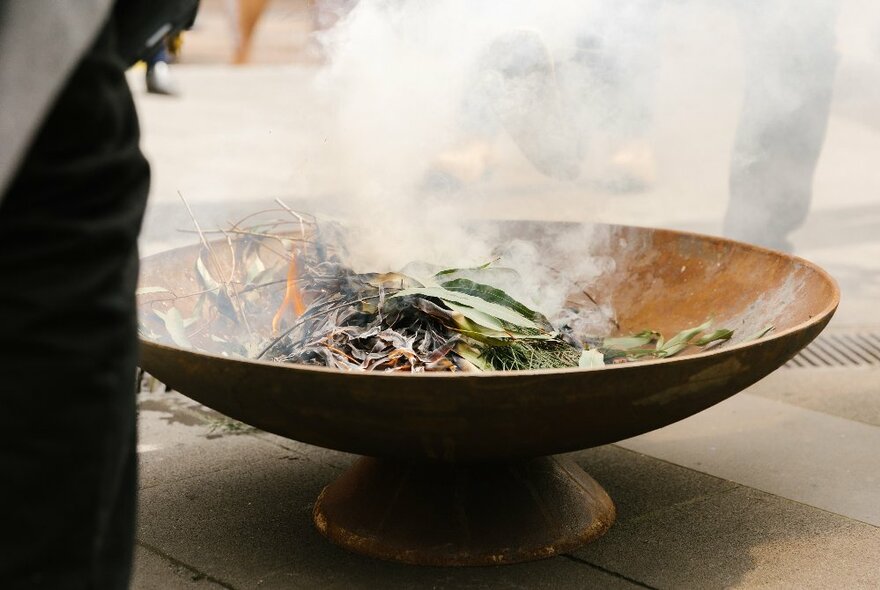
(839, 350)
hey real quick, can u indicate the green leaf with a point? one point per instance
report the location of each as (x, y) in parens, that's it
(493, 295)
(475, 316)
(174, 324)
(494, 310)
(150, 290)
(760, 334)
(449, 271)
(495, 337)
(716, 336)
(472, 355)
(626, 342)
(591, 359)
(682, 340)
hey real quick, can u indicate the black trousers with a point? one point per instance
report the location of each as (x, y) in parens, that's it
(68, 337)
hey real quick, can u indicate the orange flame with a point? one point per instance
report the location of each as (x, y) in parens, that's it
(292, 297)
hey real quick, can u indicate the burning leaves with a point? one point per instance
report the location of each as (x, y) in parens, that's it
(329, 315)
(395, 322)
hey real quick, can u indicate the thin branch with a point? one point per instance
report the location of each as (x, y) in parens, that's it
(233, 296)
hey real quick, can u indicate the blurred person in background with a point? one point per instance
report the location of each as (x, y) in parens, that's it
(247, 13)
(158, 77)
(553, 111)
(73, 187)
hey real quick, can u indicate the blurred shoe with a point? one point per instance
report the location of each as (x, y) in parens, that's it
(631, 168)
(458, 167)
(160, 81)
(467, 163)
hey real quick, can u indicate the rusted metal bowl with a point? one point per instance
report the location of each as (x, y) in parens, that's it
(422, 425)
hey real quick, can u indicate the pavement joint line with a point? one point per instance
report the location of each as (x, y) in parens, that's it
(618, 575)
(200, 574)
(734, 485)
(806, 407)
(737, 485)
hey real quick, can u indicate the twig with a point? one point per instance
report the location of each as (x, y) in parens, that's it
(217, 267)
(244, 232)
(310, 315)
(302, 227)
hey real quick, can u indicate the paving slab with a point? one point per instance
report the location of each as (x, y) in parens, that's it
(153, 571)
(811, 457)
(179, 439)
(641, 485)
(851, 393)
(248, 525)
(251, 527)
(741, 538)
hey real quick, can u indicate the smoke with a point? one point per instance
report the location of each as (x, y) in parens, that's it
(447, 111)
(424, 93)
(420, 93)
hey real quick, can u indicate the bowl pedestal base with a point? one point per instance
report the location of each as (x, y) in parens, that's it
(448, 514)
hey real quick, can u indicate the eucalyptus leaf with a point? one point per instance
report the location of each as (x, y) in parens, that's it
(493, 295)
(716, 336)
(475, 316)
(682, 340)
(472, 355)
(760, 334)
(449, 271)
(487, 335)
(224, 304)
(626, 342)
(591, 359)
(207, 280)
(174, 324)
(494, 310)
(255, 268)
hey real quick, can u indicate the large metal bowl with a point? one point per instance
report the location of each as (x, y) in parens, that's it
(652, 278)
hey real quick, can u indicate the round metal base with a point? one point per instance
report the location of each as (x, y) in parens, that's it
(444, 514)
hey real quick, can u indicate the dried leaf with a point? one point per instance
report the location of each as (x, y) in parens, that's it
(681, 340)
(255, 268)
(626, 342)
(208, 281)
(175, 326)
(760, 334)
(716, 336)
(151, 290)
(591, 359)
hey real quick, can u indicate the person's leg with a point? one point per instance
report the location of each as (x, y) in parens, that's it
(248, 14)
(612, 75)
(68, 338)
(790, 65)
